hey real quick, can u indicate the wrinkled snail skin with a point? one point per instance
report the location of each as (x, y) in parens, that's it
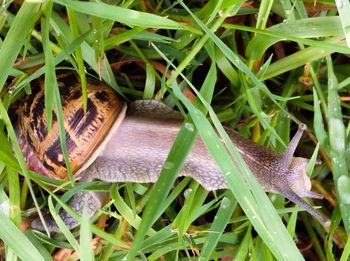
(136, 151)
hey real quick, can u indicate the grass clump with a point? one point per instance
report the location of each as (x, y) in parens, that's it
(259, 67)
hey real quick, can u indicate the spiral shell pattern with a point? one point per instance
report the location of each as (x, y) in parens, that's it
(84, 130)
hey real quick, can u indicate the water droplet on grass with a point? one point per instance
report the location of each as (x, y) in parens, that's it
(12, 89)
(187, 193)
(168, 165)
(225, 203)
(189, 127)
(344, 189)
(337, 135)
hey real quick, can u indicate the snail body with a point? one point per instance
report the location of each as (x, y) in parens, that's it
(111, 144)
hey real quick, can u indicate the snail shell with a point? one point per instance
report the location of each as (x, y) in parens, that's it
(86, 132)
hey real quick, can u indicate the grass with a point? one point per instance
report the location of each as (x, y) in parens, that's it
(258, 67)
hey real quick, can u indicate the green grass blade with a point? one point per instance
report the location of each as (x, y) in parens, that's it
(61, 127)
(124, 210)
(227, 206)
(343, 7)
(337, 141)
(63, 228)
(17, 241)
(16, 38)
(6, 156)
(194, 198)
(232, 9)
(123, 37)
(85, 248)
(89, 55)
(263, 15)
(318, 123)
(78, 54)
(14, 193)
(311, 164)
(346, 252)
(38, 244)
(234, 59)
(123, 15)
(226, 67)
(94, 229)
(243, 249)
(150, 82)
(295, 60)
(17, 150)
(4, 201)
(50, 75)
(59, 58)
(297, 31)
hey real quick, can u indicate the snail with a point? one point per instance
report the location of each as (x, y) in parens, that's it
(111, 143)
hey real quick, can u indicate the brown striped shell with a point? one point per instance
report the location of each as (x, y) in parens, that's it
(85, 132)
